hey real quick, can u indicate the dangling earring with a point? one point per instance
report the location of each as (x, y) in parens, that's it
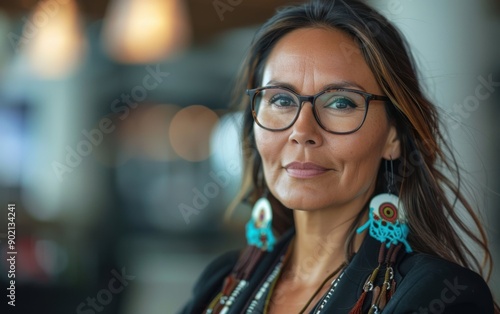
(387, 221)
(259, 229)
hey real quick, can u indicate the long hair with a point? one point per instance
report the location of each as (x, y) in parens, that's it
(432, 199)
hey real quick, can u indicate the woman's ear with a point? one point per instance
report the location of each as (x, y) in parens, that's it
(392, 148)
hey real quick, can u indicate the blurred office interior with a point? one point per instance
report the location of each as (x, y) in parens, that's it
(120, 152)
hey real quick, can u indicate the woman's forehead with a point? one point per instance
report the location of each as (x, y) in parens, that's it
(310, 58)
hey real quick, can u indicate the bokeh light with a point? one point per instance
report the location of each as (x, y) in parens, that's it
(139, 31)
(190, 132)
(154, 124)
(53, 39)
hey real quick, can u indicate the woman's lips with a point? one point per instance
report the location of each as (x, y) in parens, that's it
(304, 169)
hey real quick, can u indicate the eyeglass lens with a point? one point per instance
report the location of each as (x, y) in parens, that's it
(337, 110)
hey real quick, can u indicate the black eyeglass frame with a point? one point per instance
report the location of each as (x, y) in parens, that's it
(312, 99)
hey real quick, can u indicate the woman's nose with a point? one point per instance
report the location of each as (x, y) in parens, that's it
(306, 130)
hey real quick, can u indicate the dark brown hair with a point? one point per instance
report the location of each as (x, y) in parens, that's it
(436, 227)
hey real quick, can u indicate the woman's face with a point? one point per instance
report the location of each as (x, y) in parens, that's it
(341, 170)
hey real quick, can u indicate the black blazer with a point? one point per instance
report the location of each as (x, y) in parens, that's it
(425, 283)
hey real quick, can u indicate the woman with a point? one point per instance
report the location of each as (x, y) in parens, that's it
(336, 128)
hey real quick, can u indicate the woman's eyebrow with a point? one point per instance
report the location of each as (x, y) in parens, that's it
(336, 85)
(281, 84)
(344, 84)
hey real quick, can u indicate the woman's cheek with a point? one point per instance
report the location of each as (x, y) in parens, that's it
(268, 145)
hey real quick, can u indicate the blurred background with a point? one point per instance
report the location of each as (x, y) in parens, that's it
(119, 151)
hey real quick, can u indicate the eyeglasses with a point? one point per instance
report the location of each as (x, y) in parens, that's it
(338, 111)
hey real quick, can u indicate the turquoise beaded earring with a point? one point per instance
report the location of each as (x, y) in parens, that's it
(387, 223)
(259, 229)
(387, 217)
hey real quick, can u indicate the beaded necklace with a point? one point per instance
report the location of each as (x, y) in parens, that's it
(269, 283)
(267, 288)
(260, 302)
(329, 294)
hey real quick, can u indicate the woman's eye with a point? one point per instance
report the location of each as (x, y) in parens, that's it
(282, 101)
(341, 103)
